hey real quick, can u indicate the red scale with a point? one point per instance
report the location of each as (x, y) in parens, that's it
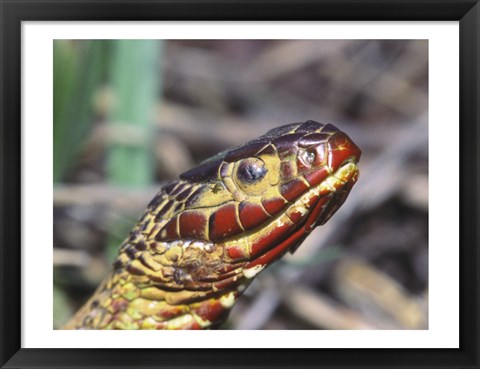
(223, 223)
(169, 231)
(296, 216)
(211, 310)
(340, 148)
(273, 206)
(193, 225)
(315, 177)
(237, 252)
(273, 238)
(252, 215)
(292, 190)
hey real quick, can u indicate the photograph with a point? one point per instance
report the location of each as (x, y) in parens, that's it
(240, 184)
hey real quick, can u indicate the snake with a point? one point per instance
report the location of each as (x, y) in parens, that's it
(204, 237)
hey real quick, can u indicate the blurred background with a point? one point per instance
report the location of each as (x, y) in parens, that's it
(129, 115)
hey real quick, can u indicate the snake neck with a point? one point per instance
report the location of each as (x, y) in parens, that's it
(119, 303)
(182, 284)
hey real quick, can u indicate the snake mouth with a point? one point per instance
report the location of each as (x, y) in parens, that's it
(288, 230)
(321, 202)
(327, 198)
(331, 193)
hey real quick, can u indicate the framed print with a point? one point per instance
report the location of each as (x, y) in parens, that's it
(239, 184)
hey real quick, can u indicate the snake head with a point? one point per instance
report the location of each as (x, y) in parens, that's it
(243, 189)
(247, 206)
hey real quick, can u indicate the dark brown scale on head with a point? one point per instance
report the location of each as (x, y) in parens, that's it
(144, 227)
(184, 194)
(179, 207)
(194, 196)
(312, 139)
(133, 236)
(167, 189)
(267, 150)
(308, 127)
(206, 171)
(157, 200)
(178, 189)
(118, 264)
(330, 128)
(287, 145)
(164, 210)
(245, 151)
(141, 246)
(131, 252)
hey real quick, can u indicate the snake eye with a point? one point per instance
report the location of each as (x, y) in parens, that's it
(251, 170)
(252, 176)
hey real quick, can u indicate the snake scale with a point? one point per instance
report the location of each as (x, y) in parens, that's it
(204, 237)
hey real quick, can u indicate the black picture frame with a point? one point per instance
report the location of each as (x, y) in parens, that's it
(13, 13)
